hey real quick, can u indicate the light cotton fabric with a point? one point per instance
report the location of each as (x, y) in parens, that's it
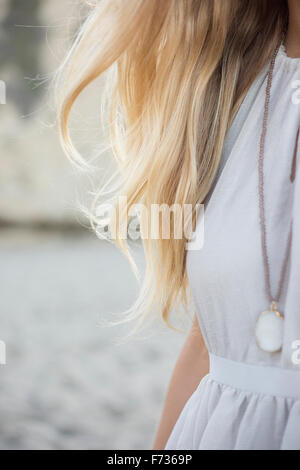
(227, 277)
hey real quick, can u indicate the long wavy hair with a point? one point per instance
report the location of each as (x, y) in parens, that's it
(176, 73)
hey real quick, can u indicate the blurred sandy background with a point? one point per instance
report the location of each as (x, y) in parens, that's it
(68, 383)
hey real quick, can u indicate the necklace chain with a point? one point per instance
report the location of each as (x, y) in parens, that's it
(272, 298)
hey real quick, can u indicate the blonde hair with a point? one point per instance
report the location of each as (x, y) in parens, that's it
(181, 69)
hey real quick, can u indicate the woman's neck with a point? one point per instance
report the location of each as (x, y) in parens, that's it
(292, 42)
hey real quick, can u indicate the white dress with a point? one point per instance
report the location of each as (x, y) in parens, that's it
(250, 399)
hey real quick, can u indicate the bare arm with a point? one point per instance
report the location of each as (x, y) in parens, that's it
(192, 364)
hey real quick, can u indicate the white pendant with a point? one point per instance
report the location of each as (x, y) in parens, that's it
(269, 330)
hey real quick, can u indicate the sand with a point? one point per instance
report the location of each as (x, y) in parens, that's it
(69, 383)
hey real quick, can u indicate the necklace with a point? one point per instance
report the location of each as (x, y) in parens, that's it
(269, 325)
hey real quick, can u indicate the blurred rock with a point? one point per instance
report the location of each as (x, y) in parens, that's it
(38, 185)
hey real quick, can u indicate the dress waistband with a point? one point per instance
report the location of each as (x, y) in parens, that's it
(266, 380)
